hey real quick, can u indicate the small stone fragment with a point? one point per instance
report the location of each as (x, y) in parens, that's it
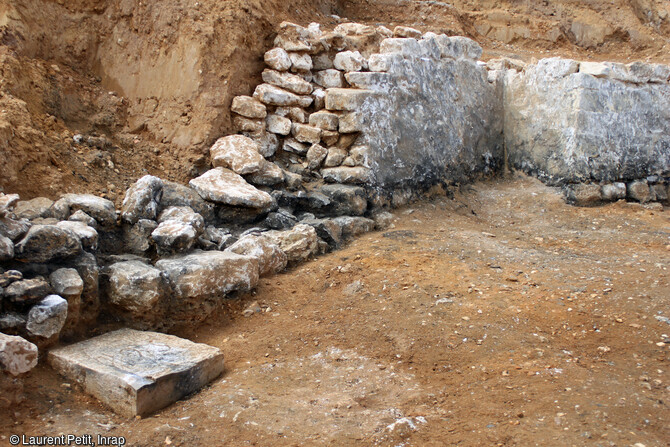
(248, 107)
(47, 318)
(277, 124)
(349, 61)
(238, 153)
(290, 82)
(406, 31)
(277, 59)
(346, 175)
(315, 156)
(300, 62)
(329, 78)
(639, 191)
(17, 355)
(142, 199)
(306, 134)
(6, 248)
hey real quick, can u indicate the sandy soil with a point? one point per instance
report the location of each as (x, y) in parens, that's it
(499, 317)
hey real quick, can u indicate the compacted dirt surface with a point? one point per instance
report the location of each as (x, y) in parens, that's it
(499, 316)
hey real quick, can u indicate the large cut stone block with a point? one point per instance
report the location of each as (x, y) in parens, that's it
(138, 373)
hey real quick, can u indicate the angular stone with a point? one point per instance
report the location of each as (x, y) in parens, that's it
(294, 37)
(279, 125)
(300, 62)
(329, 78)
(346, 175)
(346, 98)
(269, 175)
(597, 69)
(10, 276)
(138, 289)
(321, 62)
(238, 215)
(406, 31)
(67, 283)
(47, 317)
(329, 137)
(6, 248)
(306, 134)
(361, 155)
(290, 82)
(639, 191)
(299, 243)
(217, 238)
(354, 226)
(174, 236)
(238, 153)
(17, 355)
(272, 95)
(244, 124)
(408, 48)
(295, 114)
(351, 122)
(345, 200)
(271, 259)
(82, 217)
(660, 191)
(175, 194)
(137, 238)
(277, 59)
(291, 145)
(87, 235)
(7, 203)
(293, 181)
(142, 199)
(248, 107)
(643, 73)
(87, 267)
(27, 290)
(100, 209)
(267, 142)
(209, 275)
(613, 191)
(335, 157)
(324, 120)
(138, 373)
(383, 220)
(349, 61)
(13, 228)
(183, 214)
(315, 156)
(584, 194)
(34, 208)
(368, 79)
(45, 243)
(458, 47)
(281, 220)
(319, 97)
(327, 229)
(223, 186)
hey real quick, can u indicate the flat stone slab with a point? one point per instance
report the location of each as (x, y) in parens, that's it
(136, 372)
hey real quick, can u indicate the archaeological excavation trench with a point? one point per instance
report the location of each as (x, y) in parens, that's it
(349, 124)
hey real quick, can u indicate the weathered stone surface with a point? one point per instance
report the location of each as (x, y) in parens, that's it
(8, 277)
(267, 142)
(406, 31)
(87, 235)
(361, 155)
(351, 122)
(174, 236)
(327, 229)
(281, 220)
(346, 98)
(349, 61)
(291, 145)
(17, 355)
(315, 156)
(238, 153)
(290, 82)
(224, 186)
(277, 124)
(295, 114)
(7, 203)
(209, 275)
(368, 79)
(27, 290)
(34, 208)
(319, 97)
(13, 228)
(269, 175)
(383, 220)
(294, 37)
(321, 62)
(271, 259)
(613, 191)
(135, 372)
(82, 217)
(324, 120)
(277, 59)
(345, 200)
(335, 157)
(248, 107)
(306, 134)
(142, 199)
(175, 194)
(67, 283)
(300, 62)
(299, 243)
(244, 124)
(183, 214)
(100, 209)
(329, 137)
(354, 226)
(406, 47)
(138, 289)
(45, 243)
(569, 127)
(137, 238)
(660, 191)
(238, 215)
(355, 175)
(273, 95)
(87, 267)
(329, 78)
(216, 238)
(47, 317)
(584, 194)
(6, 248)
(458, 47)
(292, 181)
(639, 191)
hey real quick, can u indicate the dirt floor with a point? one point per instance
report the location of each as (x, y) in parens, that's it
(499, 317)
